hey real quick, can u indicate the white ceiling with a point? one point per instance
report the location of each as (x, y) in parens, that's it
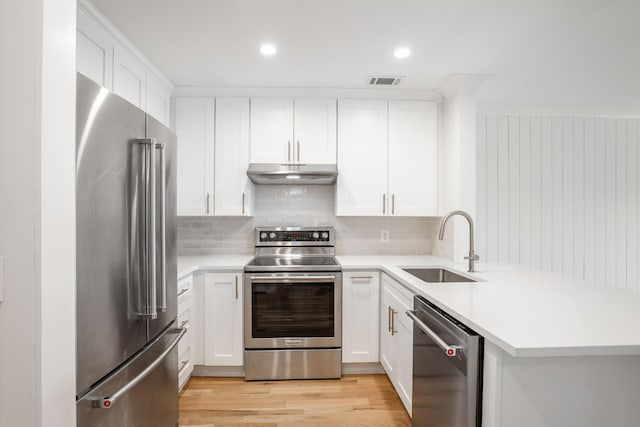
(537, 52)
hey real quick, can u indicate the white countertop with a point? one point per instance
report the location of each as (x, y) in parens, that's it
(525, 312)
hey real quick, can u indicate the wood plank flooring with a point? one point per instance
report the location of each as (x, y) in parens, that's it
(354, 400)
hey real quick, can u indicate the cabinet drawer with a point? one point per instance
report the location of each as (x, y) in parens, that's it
(185, 288)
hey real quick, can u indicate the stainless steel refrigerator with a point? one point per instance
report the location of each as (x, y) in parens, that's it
(127, 362)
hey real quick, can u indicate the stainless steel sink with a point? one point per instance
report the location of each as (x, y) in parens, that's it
(437, 275)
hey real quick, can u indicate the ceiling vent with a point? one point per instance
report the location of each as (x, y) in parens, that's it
(384, 80)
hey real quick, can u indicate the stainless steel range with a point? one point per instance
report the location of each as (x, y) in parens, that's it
(293, 305)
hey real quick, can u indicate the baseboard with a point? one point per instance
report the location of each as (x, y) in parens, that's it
(218, 371)
(362, 368)
(238, 371)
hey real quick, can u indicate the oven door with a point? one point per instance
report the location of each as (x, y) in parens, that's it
(292, 310)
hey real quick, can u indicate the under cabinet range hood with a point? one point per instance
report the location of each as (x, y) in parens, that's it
(285, 173)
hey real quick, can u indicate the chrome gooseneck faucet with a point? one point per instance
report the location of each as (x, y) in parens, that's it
(472, 256)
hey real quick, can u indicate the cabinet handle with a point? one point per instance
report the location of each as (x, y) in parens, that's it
(208, 203)
(289, 151)
(184, 323)
(393, 322)
(389, 318)
(182, 291)
(384, 204)
(361, 277)
(242, 203)
(236, 287)
(298, 154)
(183, 364)
(393, 204)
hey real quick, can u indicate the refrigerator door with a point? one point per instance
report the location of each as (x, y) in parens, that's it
(143, 393)
(165, 220)
(108, 329)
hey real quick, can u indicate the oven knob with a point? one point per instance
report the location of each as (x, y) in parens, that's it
(325, 235)
(263, 236)
(316, 235)
(272, 235)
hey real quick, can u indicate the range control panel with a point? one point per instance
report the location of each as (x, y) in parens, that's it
(294, 236)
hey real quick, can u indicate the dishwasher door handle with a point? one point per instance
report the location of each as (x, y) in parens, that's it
(449, 350)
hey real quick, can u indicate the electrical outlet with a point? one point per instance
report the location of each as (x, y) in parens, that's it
(384, 236)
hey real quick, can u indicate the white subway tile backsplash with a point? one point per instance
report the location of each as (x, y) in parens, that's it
(310, 205)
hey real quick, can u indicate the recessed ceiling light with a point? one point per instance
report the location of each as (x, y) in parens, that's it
(268, 49)
(401, 52)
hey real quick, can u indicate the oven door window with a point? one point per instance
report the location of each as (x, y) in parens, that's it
(292, 310)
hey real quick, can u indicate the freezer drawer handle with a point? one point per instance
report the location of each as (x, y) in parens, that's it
(107, 402)
(449, 350)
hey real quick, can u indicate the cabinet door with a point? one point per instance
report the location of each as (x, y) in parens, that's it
(195, 127)
(158, 100)
(94, 51)
(387, 350)
(315, 131)
(413, 158)
(362, 158)
(129, 78)
(404, 346)
(271, 130)
(360, 321)
(232, 186)
(223, 319)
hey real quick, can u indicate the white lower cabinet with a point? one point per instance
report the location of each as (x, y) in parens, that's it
(222, 327)
(360, 307)
(185, 319)
(396, 338)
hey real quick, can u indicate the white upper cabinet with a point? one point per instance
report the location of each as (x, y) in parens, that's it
(284, 130)
(271, 130)
(94, 54)
(105, 56)
(413, 158)
(195, 130)
(129, 78)
(387, 158)
(362, 158)
(233, 189)
(315, 131)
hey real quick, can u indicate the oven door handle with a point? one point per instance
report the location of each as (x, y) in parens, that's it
(449, 350)
(291, 279)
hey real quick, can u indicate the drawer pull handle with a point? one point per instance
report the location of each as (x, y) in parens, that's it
(183, 364)
(184, 324)
(183, 291)
(361, 277)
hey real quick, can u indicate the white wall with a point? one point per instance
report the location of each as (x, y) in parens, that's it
(561, 194)
(37, 157)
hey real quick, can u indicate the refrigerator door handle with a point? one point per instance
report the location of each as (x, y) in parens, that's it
(148, 307)
(106, 402)
(163, 226)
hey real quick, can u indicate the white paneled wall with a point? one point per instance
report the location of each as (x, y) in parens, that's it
(561, 194)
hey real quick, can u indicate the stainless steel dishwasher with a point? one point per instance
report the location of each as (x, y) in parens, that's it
(447, 369)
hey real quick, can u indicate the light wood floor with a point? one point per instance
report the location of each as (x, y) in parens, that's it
(354, 400)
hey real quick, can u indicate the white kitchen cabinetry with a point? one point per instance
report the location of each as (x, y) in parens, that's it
(94, 55)
(233, 189)
(223, 333)
(284, 130)
(362, 158)
(185, 320)
(314, 131)
(388, 158)
(360, 308)
(129, 78)
(195, 130)
(413, 158)
(104, 55)
(396, 338)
